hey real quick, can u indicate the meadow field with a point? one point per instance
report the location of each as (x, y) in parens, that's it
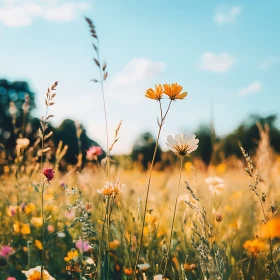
(222, 229)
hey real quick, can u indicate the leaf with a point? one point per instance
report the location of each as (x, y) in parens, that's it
(96, 62)
(50, 216)
(48, 135)
(40, 133)
(35, 187)
(46, 150)
(49, 116)
(104, 66)
(94, 80)
(95, 47)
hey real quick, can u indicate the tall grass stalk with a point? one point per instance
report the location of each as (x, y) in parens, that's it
(102, 77)
(42, 134)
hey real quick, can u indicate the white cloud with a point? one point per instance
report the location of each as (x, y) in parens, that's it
(252, 88)
(137, 70)
(130, 83)
(227, 15)
(268, 63)
(216, 62)
(16, 13)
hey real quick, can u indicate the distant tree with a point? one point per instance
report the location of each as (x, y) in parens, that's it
(143, 149)
(16, 102)
(75, 137)
(205, 149)
(248, 135)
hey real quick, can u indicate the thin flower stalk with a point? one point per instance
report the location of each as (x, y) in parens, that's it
(163, 117)
(174, 214)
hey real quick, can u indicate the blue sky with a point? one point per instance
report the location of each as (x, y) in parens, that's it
(226, 54)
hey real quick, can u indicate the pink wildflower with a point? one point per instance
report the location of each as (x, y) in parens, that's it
(6, 251)
(93, 152)
(83, 245)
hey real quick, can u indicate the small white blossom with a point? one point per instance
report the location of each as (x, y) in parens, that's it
(216, 185)
(182, 145)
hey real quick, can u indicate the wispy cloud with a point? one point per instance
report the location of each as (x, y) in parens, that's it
(251, 89)
(137, 70)
(17, 13)
(220, 62)
(130, 83)
(227, 15)
(268, 63)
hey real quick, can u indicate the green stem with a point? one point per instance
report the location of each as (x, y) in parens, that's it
(149, 182)
(108, 236)
(43, 230)
(173, 219)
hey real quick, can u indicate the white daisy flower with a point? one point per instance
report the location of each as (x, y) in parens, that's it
(182, 145)
(35, 273)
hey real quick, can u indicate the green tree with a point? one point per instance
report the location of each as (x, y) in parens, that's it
(143, 149)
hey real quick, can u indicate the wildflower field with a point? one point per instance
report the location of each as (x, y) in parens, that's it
(99, 219)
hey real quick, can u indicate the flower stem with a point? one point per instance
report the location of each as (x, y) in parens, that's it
(173, 219)
(43, 230)
(108, 236)
(149, 182)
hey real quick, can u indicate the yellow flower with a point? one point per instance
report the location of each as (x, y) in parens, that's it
(272, 228)
(174, 91)
(29, 208)
(221, 168)
(128, 271)
(155, 94)
(38, 244)
(254, 247)
(20, 227)
(71, 255)
(35, 274)
(150, 219)
(188, 166)
(115, 244)
(37, 221)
